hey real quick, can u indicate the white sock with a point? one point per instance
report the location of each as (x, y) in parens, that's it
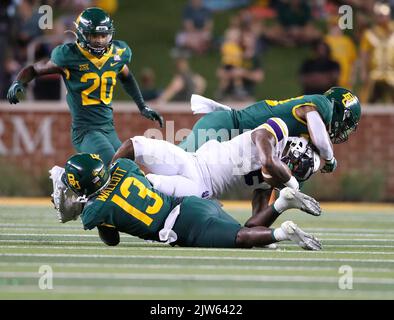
(280, 205)
(280, 235)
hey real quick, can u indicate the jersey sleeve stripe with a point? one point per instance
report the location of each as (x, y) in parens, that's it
(267, 127)
(282, 125)
(67, 73)
(277, 129)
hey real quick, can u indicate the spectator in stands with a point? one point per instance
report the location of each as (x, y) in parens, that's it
(8, 66)
(184, 83)
(251, 72)
(240, 69)
(27, 26)
(197, 28)
(110, 6)
(377, 58)
(229, 73)
(20, 24)
(343, 51)
(148, 87)
(295, 23)
(221, 5)
(319, 73)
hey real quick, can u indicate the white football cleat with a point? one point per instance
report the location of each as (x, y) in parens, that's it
(301, 238)
(298, 200)
(58, 186)
(66, 202)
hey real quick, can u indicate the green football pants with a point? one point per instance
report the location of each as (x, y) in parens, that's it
(102, 142)
(219, 125)
(203, 223)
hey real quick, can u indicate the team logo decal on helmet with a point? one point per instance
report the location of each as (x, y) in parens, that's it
(86, 174)
(346, 113)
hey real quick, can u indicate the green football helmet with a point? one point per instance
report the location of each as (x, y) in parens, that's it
(86, 174)
(346, 113)
(91, 23)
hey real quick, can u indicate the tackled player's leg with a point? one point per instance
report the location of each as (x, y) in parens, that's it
(203, 223)
(102, 142)
(288, 199)
(219, 125)
(173, 171)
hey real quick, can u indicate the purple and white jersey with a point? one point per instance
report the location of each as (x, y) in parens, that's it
(232, 163)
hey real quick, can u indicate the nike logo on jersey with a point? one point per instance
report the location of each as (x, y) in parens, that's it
(113, 63)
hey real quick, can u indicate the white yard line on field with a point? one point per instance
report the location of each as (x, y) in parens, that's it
(59, 226)
(67, 235)
(192, 249)
(215, 267)
(194, 257)
(49, 234)
(197, 277)
(136, 242)
(166, 292)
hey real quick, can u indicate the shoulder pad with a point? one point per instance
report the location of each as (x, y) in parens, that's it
(122, 50)
(61, 54)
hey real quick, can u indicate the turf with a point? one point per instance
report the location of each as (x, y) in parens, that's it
(84, 268)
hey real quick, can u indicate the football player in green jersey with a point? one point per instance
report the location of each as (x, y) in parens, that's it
(90, 68)
(121, 199)
(332, 116)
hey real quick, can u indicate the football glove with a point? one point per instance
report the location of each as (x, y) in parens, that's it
(152, 115)
(329, 166)
(15, 88)
(108, 235)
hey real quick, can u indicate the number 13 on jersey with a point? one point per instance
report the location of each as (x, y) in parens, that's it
(143, 192)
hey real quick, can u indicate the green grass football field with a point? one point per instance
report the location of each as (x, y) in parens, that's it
(361, 237)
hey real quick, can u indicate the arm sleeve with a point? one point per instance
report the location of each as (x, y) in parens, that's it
(319, 135)
(131, 87)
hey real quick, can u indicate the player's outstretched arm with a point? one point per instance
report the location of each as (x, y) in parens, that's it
(319, 136)
(29, 73)
(321, 140)
(274, 167)
(130, 85)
